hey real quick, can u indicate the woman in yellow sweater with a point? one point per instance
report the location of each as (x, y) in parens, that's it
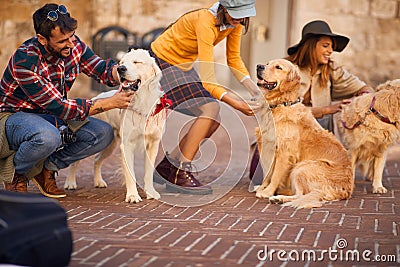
(193, 37)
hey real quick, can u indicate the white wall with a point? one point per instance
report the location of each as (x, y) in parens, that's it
(272, 16)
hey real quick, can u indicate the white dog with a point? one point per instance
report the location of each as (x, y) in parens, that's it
(139, 127)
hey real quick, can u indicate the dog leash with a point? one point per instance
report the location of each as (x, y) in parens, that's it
(369, 111)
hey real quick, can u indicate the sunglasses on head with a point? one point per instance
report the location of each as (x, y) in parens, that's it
(53, 16)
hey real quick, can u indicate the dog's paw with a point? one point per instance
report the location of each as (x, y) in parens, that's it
(275, 200)
(152, 194)
(263, 194)
(70, 185)
(379, 190)
(100, 183)
(133, 199)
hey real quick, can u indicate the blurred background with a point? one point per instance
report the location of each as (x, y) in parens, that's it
(109, 26)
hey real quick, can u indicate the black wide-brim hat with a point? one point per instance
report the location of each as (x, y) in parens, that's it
(317, 28)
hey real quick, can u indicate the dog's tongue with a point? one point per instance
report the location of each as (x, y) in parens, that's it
(131, 85)
(270, 86)
(267, 85)
(126, 83)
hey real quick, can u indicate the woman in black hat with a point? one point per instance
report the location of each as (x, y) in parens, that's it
(325, 85)
(323, 81)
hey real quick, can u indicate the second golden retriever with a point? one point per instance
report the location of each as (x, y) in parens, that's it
(308, 159)
(368, 127)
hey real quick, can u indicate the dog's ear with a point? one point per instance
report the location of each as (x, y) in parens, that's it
(389, 85)
(155, 67)
(157, 70)
(293, 79)
(157, 75)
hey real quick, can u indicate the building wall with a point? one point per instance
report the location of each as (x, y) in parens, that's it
(138, 16)
(268, 38)
(372, 25)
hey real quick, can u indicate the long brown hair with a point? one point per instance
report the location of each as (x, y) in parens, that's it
(221, 19)
(306, 57)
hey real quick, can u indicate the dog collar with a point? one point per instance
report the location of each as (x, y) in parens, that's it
(285, 104)
(378, 114)
(369, 111)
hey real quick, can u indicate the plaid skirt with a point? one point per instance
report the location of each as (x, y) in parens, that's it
(184, 88)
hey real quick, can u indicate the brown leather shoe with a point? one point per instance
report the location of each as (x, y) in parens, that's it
(181, 180)
(46, 182)
(163, 170)
(18, 184)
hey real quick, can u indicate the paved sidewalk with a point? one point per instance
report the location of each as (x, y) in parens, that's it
(234, 230)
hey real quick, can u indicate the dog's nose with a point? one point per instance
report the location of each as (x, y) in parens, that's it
(121, 69)
(260, 70)
(260, 67)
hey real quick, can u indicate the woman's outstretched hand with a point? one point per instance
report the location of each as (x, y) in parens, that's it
(248, 108)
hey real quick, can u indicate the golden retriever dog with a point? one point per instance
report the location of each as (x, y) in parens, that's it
(308, 159)
(137, 128)
(368, 127)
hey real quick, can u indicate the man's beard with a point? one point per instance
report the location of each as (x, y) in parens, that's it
(55, 53)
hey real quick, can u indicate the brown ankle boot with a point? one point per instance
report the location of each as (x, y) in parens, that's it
(181, 180)
(164, 169)
(18, 184)
(46, 182)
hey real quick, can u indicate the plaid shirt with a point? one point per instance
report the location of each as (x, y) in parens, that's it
(35, 81)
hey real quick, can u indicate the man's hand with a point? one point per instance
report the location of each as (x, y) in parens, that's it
(121, 99)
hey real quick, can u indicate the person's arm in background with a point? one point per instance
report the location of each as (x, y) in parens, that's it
(344, 86)
(319, 112)
(364, 90)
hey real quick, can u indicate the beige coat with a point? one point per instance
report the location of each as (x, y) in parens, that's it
(6, 155)
(342, 85)
(7, 169)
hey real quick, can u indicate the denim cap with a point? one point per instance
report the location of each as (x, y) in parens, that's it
(319, 28)
(238, 9)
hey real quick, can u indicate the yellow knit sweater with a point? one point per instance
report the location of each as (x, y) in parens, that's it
(193, 36)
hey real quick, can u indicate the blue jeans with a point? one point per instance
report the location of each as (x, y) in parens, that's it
(35, 137)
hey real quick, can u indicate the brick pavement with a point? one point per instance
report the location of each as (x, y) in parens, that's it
(233, 230)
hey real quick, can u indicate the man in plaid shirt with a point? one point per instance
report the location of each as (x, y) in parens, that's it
(33, 90)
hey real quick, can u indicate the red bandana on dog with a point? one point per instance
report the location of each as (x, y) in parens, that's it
(164, 103)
